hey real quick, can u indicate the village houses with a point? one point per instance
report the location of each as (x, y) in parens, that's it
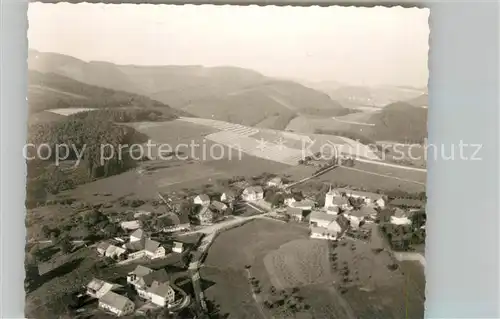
(253, 193)
(229, 197)
(117, 304)
(295, 213)
(205, 215)
(152, 285)
(275, 182)
(178, 247)
(97, 288)
(202, 200)
(367, 197)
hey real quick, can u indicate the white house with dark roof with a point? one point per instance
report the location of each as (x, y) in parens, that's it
(143, 284)
(253, 193)
(330, 233)
(116, 304)
(139, 272)
(202, 200)
(161, 294)
(154, 249)
(305, 204)
(320, 219)
(368, 197)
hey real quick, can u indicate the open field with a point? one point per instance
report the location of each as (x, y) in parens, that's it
(299, 263)
(234, 249)
(281, 256)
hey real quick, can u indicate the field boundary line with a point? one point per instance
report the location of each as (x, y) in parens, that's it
(382, 175)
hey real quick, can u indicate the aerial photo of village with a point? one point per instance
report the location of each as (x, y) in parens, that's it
(212, 185)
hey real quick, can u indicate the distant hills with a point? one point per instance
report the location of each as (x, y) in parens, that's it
(401, 122)
(226, 93)
(420, 101)
(357, 95)
(49, 91)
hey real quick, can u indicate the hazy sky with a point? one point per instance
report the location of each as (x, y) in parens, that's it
(353, 45)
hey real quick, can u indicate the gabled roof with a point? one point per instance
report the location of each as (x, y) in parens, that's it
(340, 201)
(218, 205)
(103, 245)
(130, 225)
(275, 180)
(363, 212)
(229, 193)
(303, 203)
(114, 300)
(372, 196)
(322, 216)
(138, 233)
(151, 245)
(136, 245)
(160, 276)
(178, 244)
(254, 189)
(141, 271)
(203, 197)
(161, 290)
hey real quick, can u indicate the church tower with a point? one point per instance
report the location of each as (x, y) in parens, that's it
(329, 197)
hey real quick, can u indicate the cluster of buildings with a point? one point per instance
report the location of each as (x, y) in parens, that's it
(138, 246)
(337, 214)
(152, 286)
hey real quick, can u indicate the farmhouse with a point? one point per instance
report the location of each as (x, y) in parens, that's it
(117, 304)
(180, 221)
(335, 199)
(289, 201)
(138, 272)
(178, 247)
(98, 288)
(205, 215)
(101, 248)
(154, 249)
(295, 213)
(218, 207)
(304, 204)
(330, 233)
(275, 182)
(161, 294)
(138, 235)
(253, 193)
(144, 283)
(229, 197)
(114, 252)
(202, 200)
(369, 198)
(320, 219)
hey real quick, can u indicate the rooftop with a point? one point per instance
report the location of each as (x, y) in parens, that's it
(114, 300)
(316, 215)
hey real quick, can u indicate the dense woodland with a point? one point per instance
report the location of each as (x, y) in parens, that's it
(83, 133)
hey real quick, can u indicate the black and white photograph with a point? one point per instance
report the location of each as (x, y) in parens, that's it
(219, 161)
